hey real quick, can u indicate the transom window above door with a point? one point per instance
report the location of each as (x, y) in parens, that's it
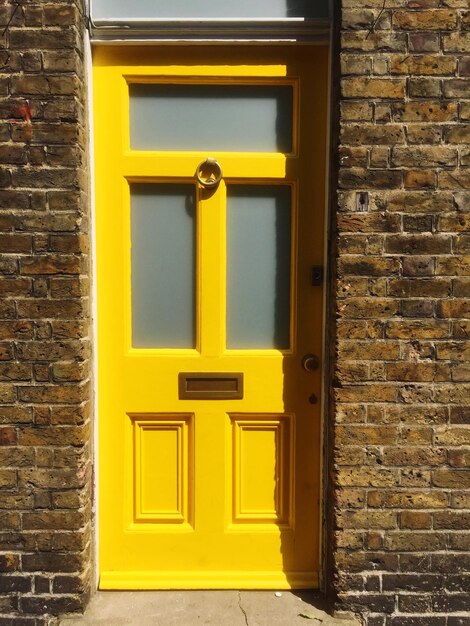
(233, 20)
(222, 9)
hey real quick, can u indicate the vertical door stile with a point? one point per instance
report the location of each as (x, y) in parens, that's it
(212, 268)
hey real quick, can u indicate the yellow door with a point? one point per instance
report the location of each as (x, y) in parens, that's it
(208, 310)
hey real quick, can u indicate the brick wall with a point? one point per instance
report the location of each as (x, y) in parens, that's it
(44, 346)
(401, 387)
(402, 378)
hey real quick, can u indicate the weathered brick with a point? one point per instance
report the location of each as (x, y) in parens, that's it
(419, 288)
(415, 541)
(423, 64)
(372, 88)
(415, 520)
(456, 42)
(372, 134)
(449, 478)
(369, 223)
(412, 582)
(418, 202)
(438, 19)
(457, 88)
(419, 179)
(379, 40)
(424, 156)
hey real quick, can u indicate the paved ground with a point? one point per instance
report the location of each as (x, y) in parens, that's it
(213, 608)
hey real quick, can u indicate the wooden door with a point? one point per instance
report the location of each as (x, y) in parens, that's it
(209, 423)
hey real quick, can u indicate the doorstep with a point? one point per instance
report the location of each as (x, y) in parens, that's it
(211, 608)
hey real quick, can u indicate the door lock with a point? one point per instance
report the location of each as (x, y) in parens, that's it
(310, 362)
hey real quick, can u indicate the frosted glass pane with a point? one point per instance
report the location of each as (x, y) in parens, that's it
(107, 9)
(163, 227)
(258, 266)
(244, 118)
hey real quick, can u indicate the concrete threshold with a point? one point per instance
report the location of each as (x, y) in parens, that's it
(213, 608)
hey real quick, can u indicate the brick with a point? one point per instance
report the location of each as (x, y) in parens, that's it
(372, 435)
(427, 620)
(424, 87)
(414, 603)
(454, 563)
(439, 19)
(368, 519)
(451, 603)
(415, 520)
(369, 223)
(385, 41)
(366, 477)
(457, 583)
(372, 88)
(454, 308)
(372, 134)
(13, 583)
(412, 582)
(419, 288)
(359, 561)
(457, 88)
(456, 42)
(424, 42)
(358, 178)
(424, 156)
(41, 39)
(368, 266)
(418, 244)
(415, 541)
(454, 223)
(454, 436)
(414, 456)
(419, 179)
(60, 16)
(449, 478)
(53, 605)
(423, 64)
(369, 308)
(459, 458)
(50, 264)
(418, 202)
(451, 520)
(420, 414)
(418, 266)
(420, 134)
(453, 266)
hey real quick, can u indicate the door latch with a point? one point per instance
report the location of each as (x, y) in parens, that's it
(316, 275)
(310, 362)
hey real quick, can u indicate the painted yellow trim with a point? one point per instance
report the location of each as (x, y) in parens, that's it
(197, 579)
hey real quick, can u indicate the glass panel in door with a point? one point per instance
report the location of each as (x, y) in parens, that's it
(235, 118)
(258, 266)
(163, 254)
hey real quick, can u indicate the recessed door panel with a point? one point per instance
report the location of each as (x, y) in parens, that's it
(207, 229)
(262, 469)
(162, 468)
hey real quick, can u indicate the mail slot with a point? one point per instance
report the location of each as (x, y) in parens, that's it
(210, 385)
